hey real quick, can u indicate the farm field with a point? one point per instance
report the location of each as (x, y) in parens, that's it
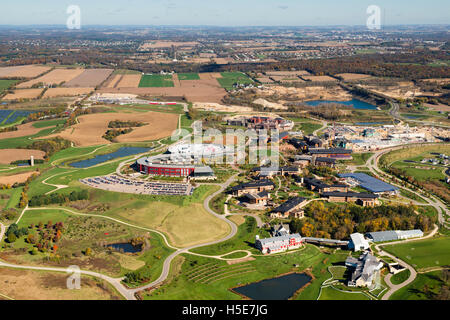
(9, 155)
(28, 71)
(353, 76)
(156, 80)
(188, 76)
(23, 94)
(16, 178)
(5, 84)
(39, 285)
(228, 79)
(91, 128)
(182, 219)
(319, 78)
(423, 254)
(288, 73)
(23, 130)
(89, 78)
(66, 92)
(124, 81)
(54, 77)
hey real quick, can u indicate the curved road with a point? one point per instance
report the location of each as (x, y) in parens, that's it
(129, 294)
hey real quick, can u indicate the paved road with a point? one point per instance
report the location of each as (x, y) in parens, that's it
(167, 262)
(372, 164)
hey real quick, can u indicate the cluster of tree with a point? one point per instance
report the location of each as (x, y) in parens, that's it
(125, 124)
(8, 214)
(443, 290)
(14, 232)
(36, 161)
(8, 129)
(408, 65)
(53, 111)
(112, 134)
(50, 146)
(428, 184)
(58, 198)
(138, 276)
(340, 220)
(44, 238)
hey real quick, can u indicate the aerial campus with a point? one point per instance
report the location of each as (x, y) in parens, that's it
(198, 163)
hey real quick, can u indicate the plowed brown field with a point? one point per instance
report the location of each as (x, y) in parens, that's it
(92, 127)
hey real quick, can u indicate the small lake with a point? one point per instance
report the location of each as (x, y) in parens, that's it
(124, 247)
(122, 152)
(281, 288)
(357, 104)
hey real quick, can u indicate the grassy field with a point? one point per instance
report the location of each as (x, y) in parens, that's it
(400, 277)
(359, 159)
(415, 290)
(81, 232)
(5, 84)
(188, 76)
(204, 278)
(230, 78)
(13, 143)
(243, 240)
(49, 123)
(423, 254)
(330, 293)
(156, 80)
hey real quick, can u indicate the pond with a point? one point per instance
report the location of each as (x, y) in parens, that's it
(357, 104)
(125, 247)
(281, 288)
(122, 152)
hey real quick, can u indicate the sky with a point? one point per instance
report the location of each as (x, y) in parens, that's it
(225, 12)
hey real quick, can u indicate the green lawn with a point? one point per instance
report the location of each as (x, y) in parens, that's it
(416, 289)
(5, 84)
(203, 278)
(48, 123)
(243, 240)
(188, 76)
(330, 293)
(359, 159)
(308, 127)
(423, 254)
(12, 143)
(400, 277)
(156, 80)
(230, 78)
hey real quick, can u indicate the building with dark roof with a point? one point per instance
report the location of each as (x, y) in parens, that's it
(290, 208)
(253, 187)
(317, 185)
(363, 199)
(336, 153)
(257, 198)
